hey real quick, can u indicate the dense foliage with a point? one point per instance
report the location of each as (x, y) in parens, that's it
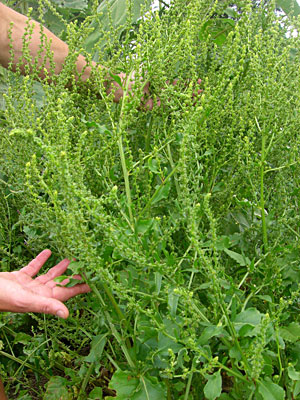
(184, 219)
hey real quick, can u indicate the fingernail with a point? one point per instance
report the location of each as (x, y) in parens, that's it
(60, 314)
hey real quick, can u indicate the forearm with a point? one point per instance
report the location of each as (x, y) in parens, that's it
(13, 36)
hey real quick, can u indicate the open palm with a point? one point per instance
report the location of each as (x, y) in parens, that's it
(21, 292)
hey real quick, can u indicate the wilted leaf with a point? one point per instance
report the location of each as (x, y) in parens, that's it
(57, 389)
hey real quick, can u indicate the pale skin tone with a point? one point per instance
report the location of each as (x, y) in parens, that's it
(21, 291)
(58, 48)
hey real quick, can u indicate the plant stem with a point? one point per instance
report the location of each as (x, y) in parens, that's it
(262, 173)
(188, 386)
(122, 154)
(262, 200)
(123, 344)
(85, 381)
(126, 178)
(25, 364)
(169, 393)
(173, 166)
(113, 301)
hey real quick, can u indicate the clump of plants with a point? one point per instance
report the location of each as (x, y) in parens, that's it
(183, 219)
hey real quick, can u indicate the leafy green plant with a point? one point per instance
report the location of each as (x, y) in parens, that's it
(184, 219)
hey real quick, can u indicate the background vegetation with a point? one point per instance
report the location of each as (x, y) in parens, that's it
(184, 219)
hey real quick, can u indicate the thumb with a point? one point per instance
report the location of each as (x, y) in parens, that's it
(45, 305)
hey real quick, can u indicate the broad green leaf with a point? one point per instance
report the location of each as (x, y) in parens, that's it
(23, 338)
(158, 280)
(72, 281)
(250, 316)
(296, 390)
(97, 347)
(239, 258)
(291, 333)
(165, 343)
(96, 394)
(57, 389)
(162, 192)
(231, 12)
(265, 298)
(270, 390)
(129, 387)
(223, 243)
(289, 7)
(116, 78)
(150, 389)
(247, 330)
(246, 320)
(143, 225)
(153, 165)
(76, 266)
(124, 383)
(217, 29)
(173, 302)
(71, 4)
(293, 374)
(116, 12)
(209, 332)
(213, 386)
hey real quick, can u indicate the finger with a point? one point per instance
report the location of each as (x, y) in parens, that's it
(22, 301)
(54, 272)
(35, 265)
(65, 293)
(47, 305)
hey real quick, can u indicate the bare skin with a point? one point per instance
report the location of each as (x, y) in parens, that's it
(21, 291)
(58, 48)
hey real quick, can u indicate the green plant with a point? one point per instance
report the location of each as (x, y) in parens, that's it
(183, 219)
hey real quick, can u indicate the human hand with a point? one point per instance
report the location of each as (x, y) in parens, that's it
(21, 292)
(147, 102)
(118, 91)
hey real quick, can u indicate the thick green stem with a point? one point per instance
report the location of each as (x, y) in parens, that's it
(82, 392)
(126, 178)
(188, 387)
(122, 153)
(262, 200)
(25, 364)
(262, 174)
(124, 344)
